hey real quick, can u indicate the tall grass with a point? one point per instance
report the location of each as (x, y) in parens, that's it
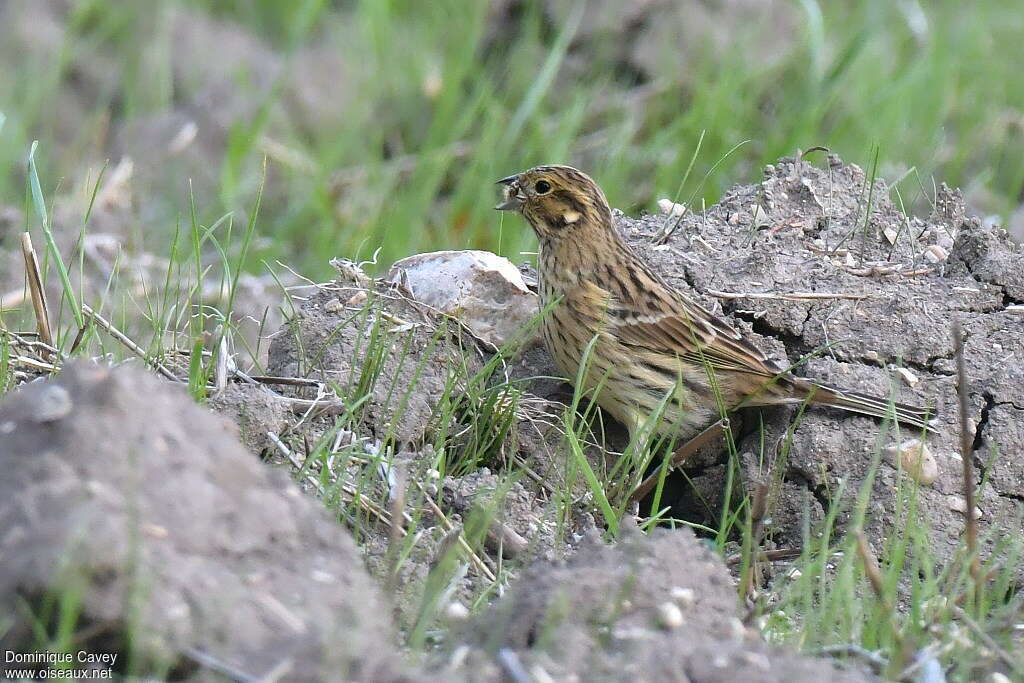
(429, 122)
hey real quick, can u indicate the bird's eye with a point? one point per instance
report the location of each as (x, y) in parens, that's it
(542, 187)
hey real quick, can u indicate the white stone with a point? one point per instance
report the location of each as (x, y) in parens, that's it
(916, 459)
(671, 208)
(683, 596)
(759, 217)
(936, 254)
(669, 616)
(957, 504)
(456, 611)
(483, 290)
(907, 376)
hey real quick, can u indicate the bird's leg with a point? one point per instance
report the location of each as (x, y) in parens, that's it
(680, 455)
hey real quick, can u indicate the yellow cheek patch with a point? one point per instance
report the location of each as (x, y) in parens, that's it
(571, 216)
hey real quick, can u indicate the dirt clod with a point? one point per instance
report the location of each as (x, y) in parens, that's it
(337, 343)
(885, 332)
(143, 506)
(254, 410)
(615, 613)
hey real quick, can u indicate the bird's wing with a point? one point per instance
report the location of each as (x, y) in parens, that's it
(672, 324)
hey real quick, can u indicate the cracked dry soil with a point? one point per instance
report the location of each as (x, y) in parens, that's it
(899, 282)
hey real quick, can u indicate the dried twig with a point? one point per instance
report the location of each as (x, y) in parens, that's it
(474, 559)
(287, 381)
(776, 555)
(35, 285)
(127, 342)
(1012, 661)
(758, 510)
(33, 363)
(966, 456)
(787, 296)
(215, 664)
(877, 662)
(874, 574)
(308, 405)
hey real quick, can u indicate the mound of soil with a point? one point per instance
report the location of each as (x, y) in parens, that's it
(649, 608)
(824, 272)
(120, 492)
(334, 337)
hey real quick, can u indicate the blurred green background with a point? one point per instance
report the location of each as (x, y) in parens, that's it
(385, 123)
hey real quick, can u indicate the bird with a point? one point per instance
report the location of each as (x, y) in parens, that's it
(650, 349)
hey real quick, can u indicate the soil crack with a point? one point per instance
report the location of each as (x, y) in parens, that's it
(979, 432)
(819, 491)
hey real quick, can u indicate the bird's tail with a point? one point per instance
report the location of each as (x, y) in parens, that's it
(865, 404)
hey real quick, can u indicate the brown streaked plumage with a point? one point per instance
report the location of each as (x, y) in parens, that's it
(651, 339)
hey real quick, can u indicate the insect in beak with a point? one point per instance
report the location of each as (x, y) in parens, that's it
(513, 196)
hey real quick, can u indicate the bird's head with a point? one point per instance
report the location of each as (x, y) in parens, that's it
(557, 201)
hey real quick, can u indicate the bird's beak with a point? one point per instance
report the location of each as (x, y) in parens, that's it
(513, 197)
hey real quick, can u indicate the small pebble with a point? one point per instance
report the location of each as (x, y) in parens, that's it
(357, 298)
(456, 611)
(936, 254)
(683, 596)
(907, 376)
(670, 208)
(916, 459)
(53, 403)
(670, 617)
(957, 504)
(759, 217)
(333, 306)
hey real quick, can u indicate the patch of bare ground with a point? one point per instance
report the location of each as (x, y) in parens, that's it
(826, 273)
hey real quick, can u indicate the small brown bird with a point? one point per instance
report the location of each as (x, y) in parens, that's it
(649, 340)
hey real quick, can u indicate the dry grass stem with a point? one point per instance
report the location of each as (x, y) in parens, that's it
(966, 455)
(1010, 660)
(787, 296)
(874, 576)
(777, 555)
(395, 531)
(35, 284)
(128, 343)
(474, 559)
